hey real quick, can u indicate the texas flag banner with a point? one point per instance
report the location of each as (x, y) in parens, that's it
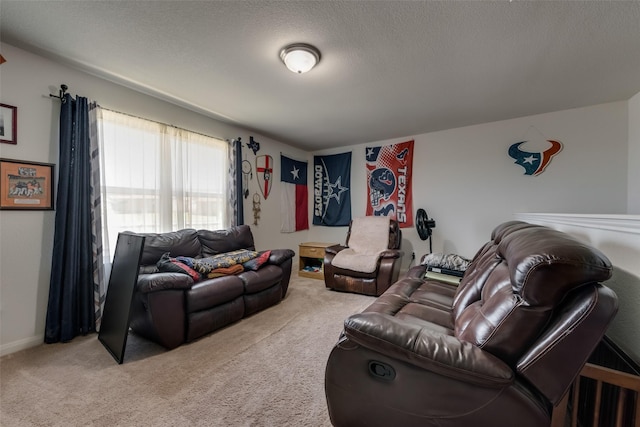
(331, 192)
(294, 195)
(389, 191)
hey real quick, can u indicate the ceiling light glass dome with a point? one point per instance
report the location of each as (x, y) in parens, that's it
(300, 57)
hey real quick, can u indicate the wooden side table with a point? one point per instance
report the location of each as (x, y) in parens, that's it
(311, 259)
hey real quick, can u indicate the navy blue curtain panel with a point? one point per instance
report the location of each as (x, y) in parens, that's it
(70, 311)
(238, 170)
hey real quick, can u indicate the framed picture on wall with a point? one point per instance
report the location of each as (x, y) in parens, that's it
(8, 124)
(26, 185)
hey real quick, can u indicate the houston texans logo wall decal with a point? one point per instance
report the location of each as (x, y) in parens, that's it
(534, 163)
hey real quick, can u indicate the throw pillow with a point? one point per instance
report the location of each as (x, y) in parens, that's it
(257, 262)
(172, 265)
(186, 260)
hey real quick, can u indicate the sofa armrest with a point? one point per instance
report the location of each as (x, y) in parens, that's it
(431, 350)
(279, 256)
(332, 250)
(163, 281)
(392, 254)
(388, 253)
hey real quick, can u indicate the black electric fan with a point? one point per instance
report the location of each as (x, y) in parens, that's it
(424, 225)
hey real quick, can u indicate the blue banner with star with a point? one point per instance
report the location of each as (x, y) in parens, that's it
(331, 190)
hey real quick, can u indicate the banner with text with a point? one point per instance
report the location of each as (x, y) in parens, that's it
(389, 193)
(331, 189)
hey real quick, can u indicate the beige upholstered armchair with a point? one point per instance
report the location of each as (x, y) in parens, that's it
(369, 262)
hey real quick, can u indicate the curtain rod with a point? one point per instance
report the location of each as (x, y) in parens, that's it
(165, 124)
(63, 90)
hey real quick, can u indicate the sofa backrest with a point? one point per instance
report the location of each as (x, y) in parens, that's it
(509, 297)
(195, 244)
(482, 264)
(227, 240)
(178, 243)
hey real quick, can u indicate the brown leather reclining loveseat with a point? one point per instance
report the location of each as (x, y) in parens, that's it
(171, 308)
(500, 350)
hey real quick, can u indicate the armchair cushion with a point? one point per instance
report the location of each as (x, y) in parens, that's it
(368, 239)
(349, 259)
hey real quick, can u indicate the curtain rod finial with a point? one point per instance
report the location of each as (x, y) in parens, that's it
(61, 92)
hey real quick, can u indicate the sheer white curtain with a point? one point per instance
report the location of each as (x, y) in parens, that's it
(158, 178)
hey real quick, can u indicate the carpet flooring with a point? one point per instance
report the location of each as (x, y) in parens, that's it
(265, 370)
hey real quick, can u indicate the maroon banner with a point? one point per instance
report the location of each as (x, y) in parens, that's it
(389, 170)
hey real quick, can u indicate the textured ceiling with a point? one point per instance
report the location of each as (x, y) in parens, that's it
(389, 68)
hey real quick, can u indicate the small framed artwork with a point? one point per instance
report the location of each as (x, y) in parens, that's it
(8, 124)
(26, 185)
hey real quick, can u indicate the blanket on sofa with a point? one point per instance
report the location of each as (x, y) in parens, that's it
(219, 265)
(225, 260)
(369, 238)
(449, 261)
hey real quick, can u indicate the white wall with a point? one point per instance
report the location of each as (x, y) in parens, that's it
(634, 155)
(466, 181)
(26, 238)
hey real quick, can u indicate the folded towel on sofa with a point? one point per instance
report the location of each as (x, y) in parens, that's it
(226, 271)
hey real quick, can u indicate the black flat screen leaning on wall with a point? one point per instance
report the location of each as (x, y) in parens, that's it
(117, 306)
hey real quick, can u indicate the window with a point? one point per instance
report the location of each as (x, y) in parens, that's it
(158, 178)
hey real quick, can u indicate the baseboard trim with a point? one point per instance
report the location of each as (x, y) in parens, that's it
(22, 344)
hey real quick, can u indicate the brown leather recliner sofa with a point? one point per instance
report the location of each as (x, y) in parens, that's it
(171, 308)
(500, 350)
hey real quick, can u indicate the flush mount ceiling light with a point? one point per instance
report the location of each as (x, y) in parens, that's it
(300, 57)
